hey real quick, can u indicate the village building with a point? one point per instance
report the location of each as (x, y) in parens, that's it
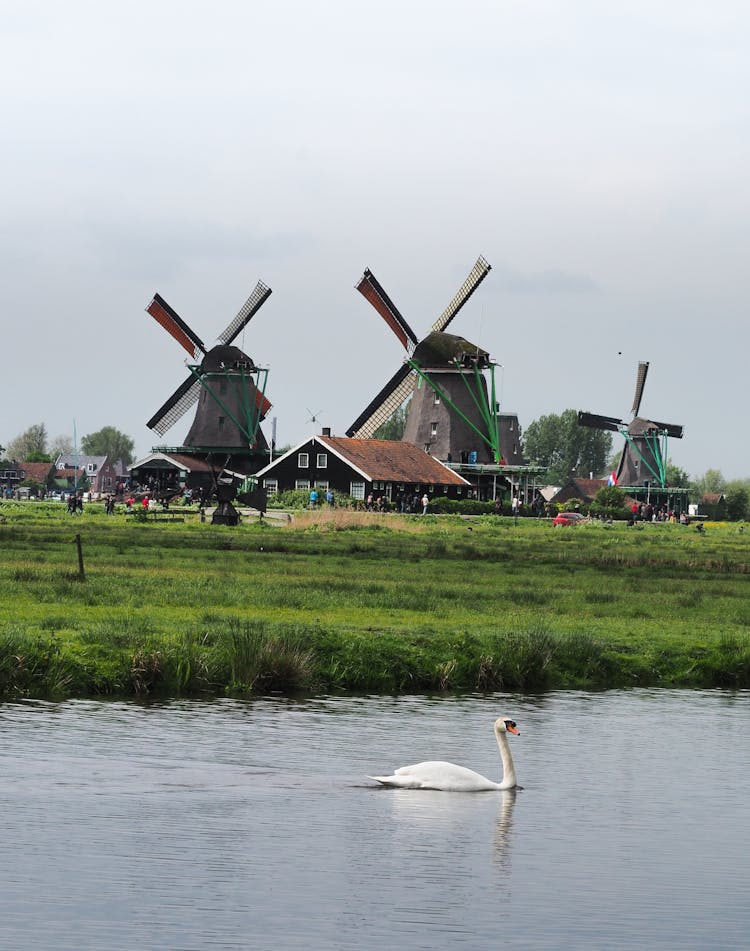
(101, 475)
(579, 490)
(360, 468)
(166, 474)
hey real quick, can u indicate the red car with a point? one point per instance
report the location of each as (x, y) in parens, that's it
(568, 518)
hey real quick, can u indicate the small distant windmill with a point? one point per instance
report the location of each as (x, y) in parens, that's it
(227, 386)
(450, 414)
(644, 457)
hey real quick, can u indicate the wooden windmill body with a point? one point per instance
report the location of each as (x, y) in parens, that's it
(224, 384)
(644, 456)
(451, 413)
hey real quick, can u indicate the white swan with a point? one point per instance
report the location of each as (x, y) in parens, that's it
(435, 774)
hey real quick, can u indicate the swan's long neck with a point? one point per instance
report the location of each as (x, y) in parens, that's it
(509, 770)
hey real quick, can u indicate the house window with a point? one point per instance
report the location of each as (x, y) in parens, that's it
(303, 460)
(271, 486)
(321, 484)
(91, 467)
(433, 429)
(445, 490)
(322, 460)
(301, 483)
(222, 420)
(436, 398)
(357, 490)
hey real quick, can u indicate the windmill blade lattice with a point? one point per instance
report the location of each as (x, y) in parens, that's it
(251, 306)
(176, 406)
(397, 389)
(477, 274)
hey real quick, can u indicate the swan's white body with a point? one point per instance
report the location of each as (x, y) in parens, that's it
(436, 774)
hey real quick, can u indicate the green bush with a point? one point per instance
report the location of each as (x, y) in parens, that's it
(609, 503)
(300, 499)
(440, 505)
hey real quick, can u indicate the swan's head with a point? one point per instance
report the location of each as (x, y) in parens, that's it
(506, 725)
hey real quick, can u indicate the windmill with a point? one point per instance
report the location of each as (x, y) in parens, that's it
(450, 413)
(644, 457)
(227, 386)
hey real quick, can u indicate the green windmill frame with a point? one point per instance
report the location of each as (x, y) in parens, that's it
(485, 407)
(239, 377)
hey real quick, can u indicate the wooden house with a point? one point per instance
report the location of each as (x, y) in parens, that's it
(361, 467)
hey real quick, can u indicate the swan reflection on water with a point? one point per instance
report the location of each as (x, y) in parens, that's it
(503, 826)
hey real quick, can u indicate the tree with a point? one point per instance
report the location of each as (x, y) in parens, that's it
(109, 442)
(33, 440)
(609, 502)
(712, 481)
(393, 427)
(61, 445)
(738, 500)
(565, 448)
(676, 477)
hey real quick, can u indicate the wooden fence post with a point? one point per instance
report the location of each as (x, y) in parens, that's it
(81, 574)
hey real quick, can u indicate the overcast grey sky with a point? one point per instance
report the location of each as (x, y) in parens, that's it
(597, 154)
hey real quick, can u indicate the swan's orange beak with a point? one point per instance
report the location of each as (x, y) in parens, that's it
(512, 728)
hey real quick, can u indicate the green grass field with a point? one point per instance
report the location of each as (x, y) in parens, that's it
(345, 601)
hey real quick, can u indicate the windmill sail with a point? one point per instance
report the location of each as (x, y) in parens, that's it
(640, 382)
(175, 326)
(397, 389)
(673, 430)
(643, 458)
(595, 421)
(477, 274)
(403, 383)
(371, 290)
(225, 376)
(176, 406)
(251, 306)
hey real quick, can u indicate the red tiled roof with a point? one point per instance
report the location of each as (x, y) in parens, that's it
(391, 461)
(584, 489)
(38, 471)
(192, 463)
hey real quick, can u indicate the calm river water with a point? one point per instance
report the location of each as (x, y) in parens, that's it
(232, 825)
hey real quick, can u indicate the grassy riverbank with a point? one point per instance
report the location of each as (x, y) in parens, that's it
(339, 601)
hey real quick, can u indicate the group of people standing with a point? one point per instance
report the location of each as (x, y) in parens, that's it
(75, 503)
(330, 498)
